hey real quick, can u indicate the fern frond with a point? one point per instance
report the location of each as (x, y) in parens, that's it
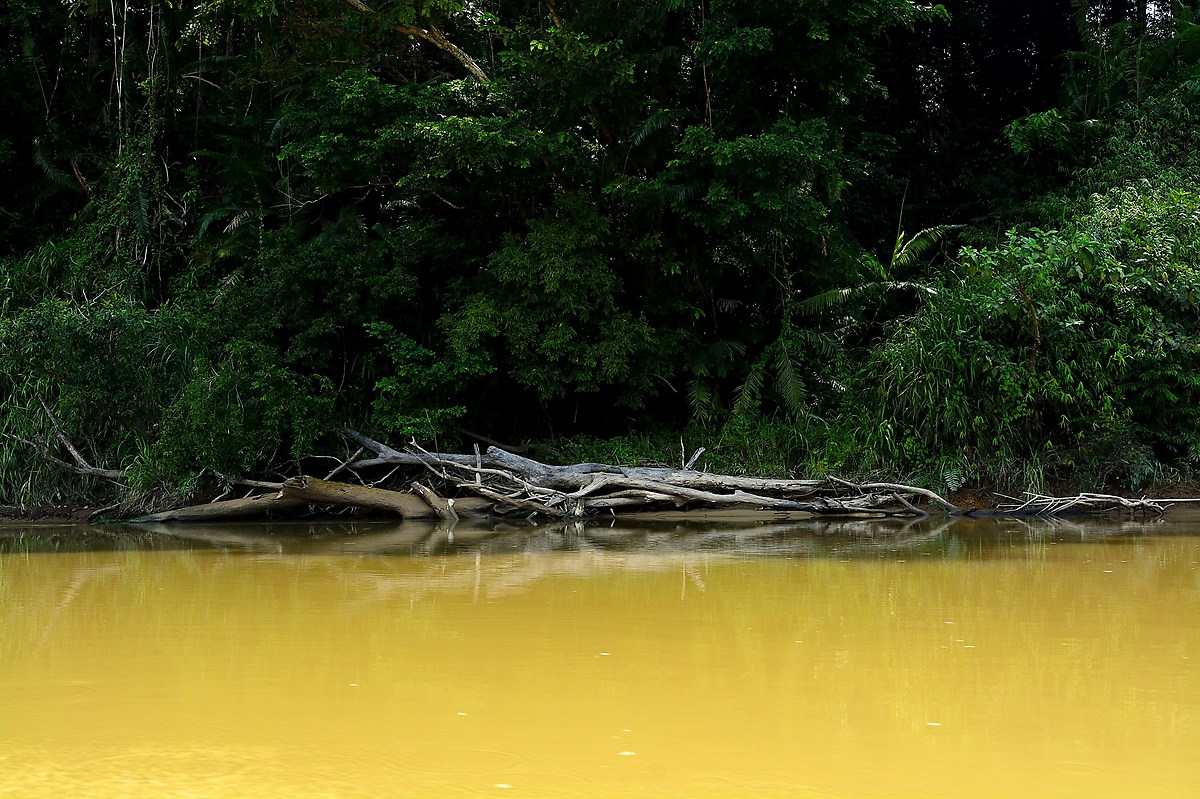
(700, 396)
(787, 380)
(950, 474)
(748, 396)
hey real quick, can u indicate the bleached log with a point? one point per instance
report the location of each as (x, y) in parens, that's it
(386, 456)
(507, 481)
(228, 509)
(325, 492)
(571, 490)
(579, 475)
(574, 476)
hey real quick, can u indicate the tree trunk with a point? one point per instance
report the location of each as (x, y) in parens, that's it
(228, 509)
(324, 492)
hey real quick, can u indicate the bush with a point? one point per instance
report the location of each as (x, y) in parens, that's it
(1057, 337)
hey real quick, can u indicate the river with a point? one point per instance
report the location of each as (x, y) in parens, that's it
(973, 659)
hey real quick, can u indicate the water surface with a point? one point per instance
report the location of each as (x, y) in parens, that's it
(977, 659)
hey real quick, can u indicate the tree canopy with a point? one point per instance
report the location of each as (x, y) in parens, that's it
(944, 240)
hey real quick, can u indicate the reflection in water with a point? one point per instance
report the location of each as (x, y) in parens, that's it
(976, 659)
(943, 537)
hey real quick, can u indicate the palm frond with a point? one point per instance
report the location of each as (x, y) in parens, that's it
(56, 175)
(682, 192)
(207, 220)
(143, 209)
(659, 120)
(817, 343)
(702, 400)
(826, 300)
(237, 221)
(906, 253)
(788, 384)
(836, 298)
(749, 393)
(726, 349)
(276, 130)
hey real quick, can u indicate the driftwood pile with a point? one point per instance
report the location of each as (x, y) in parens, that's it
(502, 483)
(499, 483)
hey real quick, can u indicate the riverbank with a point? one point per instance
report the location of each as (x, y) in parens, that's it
(971, 500)
(47, 513)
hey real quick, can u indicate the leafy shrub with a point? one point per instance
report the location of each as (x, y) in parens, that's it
(237, 414)
(1060, 337)
(103, 369)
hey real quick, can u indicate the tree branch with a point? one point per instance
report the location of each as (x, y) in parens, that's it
(434, 37)
(81, 466)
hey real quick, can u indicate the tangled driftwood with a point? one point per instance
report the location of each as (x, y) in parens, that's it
(498, 482)
(1041, 505)
(502, 483)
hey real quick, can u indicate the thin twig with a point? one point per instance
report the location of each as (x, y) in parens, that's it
(345, 464)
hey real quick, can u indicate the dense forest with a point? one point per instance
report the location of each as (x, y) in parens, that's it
(958, 243)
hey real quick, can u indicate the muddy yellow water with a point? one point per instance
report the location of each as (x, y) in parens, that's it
(1025, 668)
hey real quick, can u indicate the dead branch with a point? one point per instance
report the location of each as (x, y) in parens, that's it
(496, 482)
(345, 464)
(80, 465)
(431, 35)
(237, 481)
(902, 489)
(1084, 503)
(580, 489)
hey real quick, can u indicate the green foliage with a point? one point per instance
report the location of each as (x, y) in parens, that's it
(239, 224)
(102, 369)
(237, 414)
(1045, 129)
(1071, 337)
(1129, 62)
(906, 254)
(410, 400)
(746, 445)
(789, 369)
(555, 302)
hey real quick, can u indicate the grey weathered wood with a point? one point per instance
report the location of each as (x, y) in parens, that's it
(573, 489)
